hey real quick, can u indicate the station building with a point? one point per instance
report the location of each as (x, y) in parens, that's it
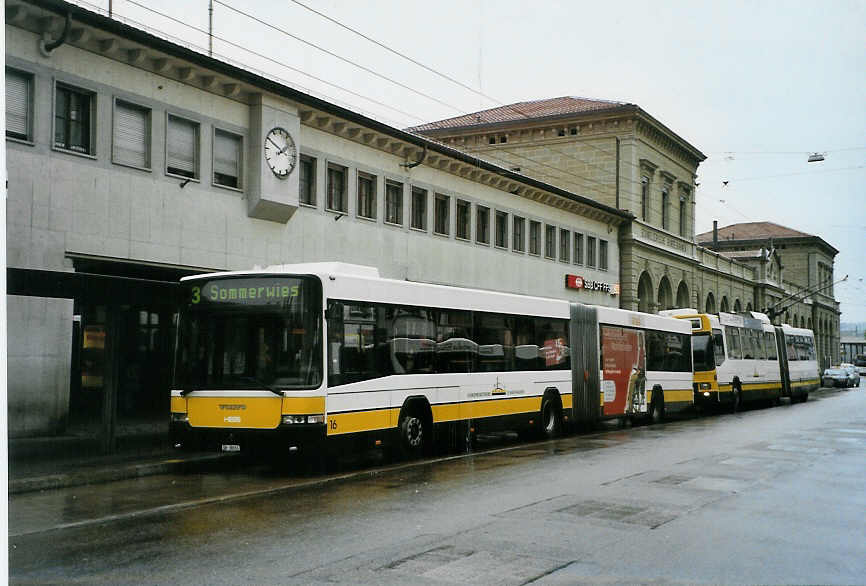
(620, 155)
(134, 161)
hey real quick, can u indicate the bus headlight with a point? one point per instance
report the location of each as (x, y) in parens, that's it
(179, 418)
(299, 419)
(705, 386)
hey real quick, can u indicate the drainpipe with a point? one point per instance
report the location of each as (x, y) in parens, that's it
(47, 48)
(617, 172)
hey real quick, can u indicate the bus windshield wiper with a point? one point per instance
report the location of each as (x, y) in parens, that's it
(264, 386)
(185, 392)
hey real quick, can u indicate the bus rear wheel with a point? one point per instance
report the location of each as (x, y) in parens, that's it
(414, 434)
(657, 408)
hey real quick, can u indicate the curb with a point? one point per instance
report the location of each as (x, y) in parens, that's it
(104, 474)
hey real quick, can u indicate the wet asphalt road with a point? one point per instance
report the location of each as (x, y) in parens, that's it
(765, 496)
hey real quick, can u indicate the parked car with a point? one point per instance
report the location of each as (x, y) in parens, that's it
(860, 363)
(835, 377)
(853, 375)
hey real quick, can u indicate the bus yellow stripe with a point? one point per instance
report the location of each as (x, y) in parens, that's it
(303, 405)
(379, 419)
(674, 395)
(340, 423)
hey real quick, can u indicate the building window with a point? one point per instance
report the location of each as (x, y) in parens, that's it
(73, 119)
(307, 180)
(491, 140)
(19, 105)
(644, 197)
(534, 237)
(550, 241)
(441, 221)
(181, 147)
(590, 251)
(131, 135)
(419, 208)
(337, 188)
(684, 200)
(602, 255)
(463, 219)
(394, 202)
(564, 245)
(665, 198)
(518, 234)
(366, 195)
(501, 229)
(578, 248)
(227, 159)
(482, 225)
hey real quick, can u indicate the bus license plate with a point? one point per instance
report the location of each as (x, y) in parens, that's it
(231, 448)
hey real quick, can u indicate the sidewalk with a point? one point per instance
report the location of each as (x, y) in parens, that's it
(64, 461)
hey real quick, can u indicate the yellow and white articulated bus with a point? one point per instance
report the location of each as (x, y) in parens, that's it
(294, 354)
(742, 357)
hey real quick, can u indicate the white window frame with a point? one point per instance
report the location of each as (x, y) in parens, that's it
(196, 156)
(240, 175)
(437, 197)
(361, 177)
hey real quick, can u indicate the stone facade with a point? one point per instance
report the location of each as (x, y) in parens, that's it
(618, 154)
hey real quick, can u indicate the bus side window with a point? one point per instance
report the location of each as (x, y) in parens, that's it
(790, 348)
(747, 340)
(758, 340)
(770, 345)
(733, 337)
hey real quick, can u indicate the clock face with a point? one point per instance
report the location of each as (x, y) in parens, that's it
(280, 152)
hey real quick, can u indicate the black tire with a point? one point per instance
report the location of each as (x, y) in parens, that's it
(736, 399)
(657, 407)
(551, 418)
(414, 434)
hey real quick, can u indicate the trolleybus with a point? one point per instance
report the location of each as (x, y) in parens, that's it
(295, 354)
(742, 357)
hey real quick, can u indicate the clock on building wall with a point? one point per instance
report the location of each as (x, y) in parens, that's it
(280, 152)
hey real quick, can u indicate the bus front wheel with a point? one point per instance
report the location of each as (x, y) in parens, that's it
(551, 419)
(736, 400)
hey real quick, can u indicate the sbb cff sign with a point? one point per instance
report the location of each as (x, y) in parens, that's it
(578, 282)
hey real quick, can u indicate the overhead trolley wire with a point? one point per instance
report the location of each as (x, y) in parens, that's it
(274, 61)
(340, 57)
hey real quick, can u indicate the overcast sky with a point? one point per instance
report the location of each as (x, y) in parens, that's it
(756, 86)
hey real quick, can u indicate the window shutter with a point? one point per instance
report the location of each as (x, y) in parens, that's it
(181, 144)
(17, 104)
(130, 136)
(226, 154)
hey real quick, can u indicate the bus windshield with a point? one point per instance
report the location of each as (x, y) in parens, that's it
(702, 352)
(708, 351)
(250, 333)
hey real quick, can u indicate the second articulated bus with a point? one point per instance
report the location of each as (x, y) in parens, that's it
(295, 354)
(740, 358)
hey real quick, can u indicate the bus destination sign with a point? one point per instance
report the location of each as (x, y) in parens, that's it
(245, 291)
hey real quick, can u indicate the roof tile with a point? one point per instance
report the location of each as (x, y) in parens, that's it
(522, 111)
